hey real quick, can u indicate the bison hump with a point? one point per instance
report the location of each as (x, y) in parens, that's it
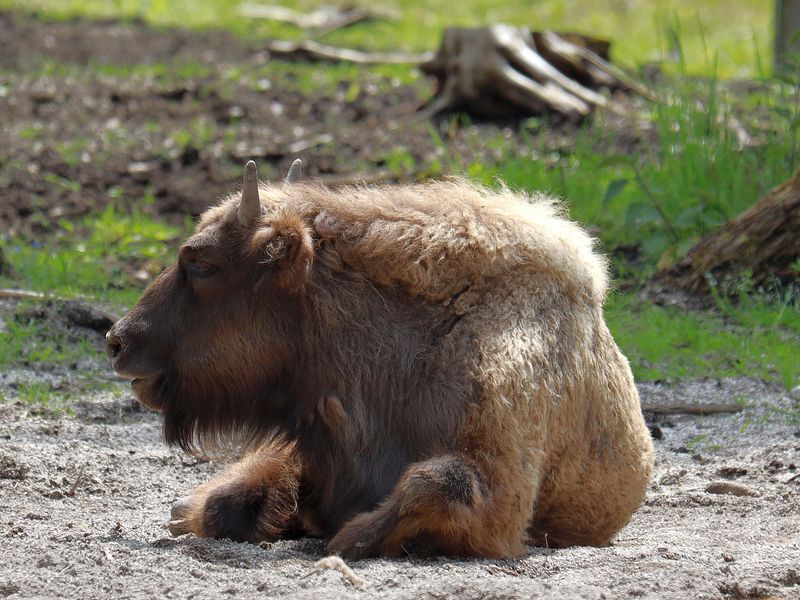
(436, 239)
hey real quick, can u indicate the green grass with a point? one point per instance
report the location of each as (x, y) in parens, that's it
(97, 257)
(33, 341)
(756, 338)
(43, 398)
(738, 31)
(663, 198)
(100, 258)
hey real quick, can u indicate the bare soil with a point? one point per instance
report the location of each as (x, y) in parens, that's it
(84, 500)
(127, 111)
(108, 112)
(86, 484)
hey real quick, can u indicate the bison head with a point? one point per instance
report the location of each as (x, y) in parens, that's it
(212, 339)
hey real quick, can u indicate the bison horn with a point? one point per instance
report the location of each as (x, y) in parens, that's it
(294, 171)
(250, 206)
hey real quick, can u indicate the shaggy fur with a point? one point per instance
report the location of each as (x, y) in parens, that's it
(421, 366)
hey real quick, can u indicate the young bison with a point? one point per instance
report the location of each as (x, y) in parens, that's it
(413, 366)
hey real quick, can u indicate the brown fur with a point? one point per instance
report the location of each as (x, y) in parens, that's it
(416, 366)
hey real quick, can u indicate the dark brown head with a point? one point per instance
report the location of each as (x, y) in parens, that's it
(213, 338)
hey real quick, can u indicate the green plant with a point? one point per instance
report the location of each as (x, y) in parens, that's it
(663, 342)
(42, 397)
(96, 257)
(702, 443)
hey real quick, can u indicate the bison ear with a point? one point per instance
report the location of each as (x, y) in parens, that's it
(286, 243)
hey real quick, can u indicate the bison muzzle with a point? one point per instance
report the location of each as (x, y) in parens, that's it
(421, 366)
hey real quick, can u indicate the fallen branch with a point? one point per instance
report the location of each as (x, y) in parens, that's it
(23, 295)
(311, 50)
(760, 246)
(691, 409)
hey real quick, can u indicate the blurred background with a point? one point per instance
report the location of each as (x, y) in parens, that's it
(120, 121)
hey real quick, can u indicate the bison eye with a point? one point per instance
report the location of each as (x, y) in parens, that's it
(199, 268)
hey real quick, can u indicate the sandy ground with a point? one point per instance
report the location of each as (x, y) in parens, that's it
(84, 499)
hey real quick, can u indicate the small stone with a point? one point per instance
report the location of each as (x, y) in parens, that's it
(730, 488)
(795, 393)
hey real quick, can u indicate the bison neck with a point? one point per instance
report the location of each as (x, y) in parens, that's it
(383, 382)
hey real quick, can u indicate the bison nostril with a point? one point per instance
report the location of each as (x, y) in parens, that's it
(113, 346)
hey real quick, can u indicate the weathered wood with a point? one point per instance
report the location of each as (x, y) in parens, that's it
(22, 294)
(496, 71)
(762, 243)
(501, 70)
(311, 50)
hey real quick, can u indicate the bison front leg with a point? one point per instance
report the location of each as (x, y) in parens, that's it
(254, 500)
(449, 504)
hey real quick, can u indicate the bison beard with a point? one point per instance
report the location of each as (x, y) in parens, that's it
(412, 367)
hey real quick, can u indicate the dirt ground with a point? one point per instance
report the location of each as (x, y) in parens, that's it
(86, 486)
(84, 500)
(95, 112)
(100, 112)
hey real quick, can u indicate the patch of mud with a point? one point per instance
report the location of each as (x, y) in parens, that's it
(86, 501)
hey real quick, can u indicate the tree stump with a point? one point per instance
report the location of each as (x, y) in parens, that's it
(501, 71)
(762, 244)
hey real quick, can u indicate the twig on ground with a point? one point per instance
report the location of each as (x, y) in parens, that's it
(730, 488)
(78, 481)
(335, 563)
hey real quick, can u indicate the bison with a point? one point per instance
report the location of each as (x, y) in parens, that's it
(417, 366)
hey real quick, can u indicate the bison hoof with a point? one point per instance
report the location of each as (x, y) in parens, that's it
(363, 536)
(177, 524)
(178, 527)
(181, 508)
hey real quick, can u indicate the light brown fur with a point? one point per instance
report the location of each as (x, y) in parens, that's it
(550, 446)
